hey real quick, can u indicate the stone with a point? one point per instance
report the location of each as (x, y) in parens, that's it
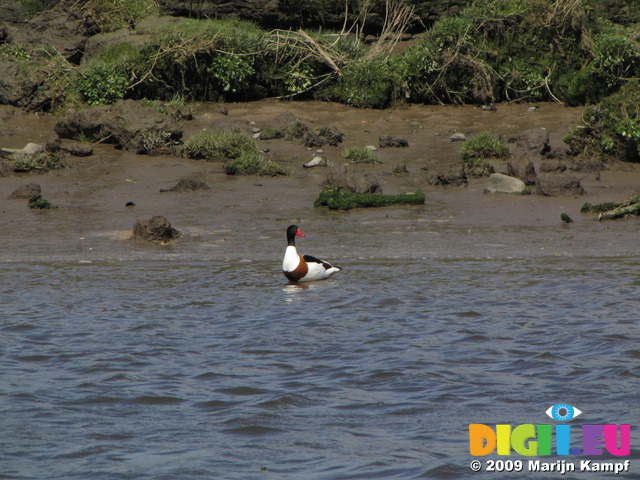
(389, 141)
(156, 230)
(458, 137)
(559, 184)
(522, 169)
(26, 191)
(187, 185)
(534, 141)
(316, 161)
(454, 178)
(340, 175)
(499, 183)
(553, 166)
(28, 149)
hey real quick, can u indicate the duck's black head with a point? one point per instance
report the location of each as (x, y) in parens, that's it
(292, 232)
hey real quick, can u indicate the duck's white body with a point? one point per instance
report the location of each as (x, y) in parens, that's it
(303, 268)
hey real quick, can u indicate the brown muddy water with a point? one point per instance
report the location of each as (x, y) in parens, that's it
(119, 360)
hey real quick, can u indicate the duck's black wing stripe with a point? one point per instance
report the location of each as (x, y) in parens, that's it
(309, 258)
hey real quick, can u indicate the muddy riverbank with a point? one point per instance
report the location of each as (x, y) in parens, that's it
(245, 217)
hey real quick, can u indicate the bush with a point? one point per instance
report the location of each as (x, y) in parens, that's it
(102, 84)
(611, 129)
(221, 146)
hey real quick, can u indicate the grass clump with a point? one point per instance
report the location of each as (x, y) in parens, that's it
(296, 130)
(484, 145)
(360, 155)
(340, 198)
(221, 146)
(254, 165)
(37, 162)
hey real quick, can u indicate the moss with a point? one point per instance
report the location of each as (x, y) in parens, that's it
(340, 198)
(599, 207)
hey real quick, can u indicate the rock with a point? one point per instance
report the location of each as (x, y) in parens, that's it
(339, 176)
(186, 185)
(316, 161)
(522, 169)
(559, 184)
(454, 178)
(127, 124)
(499, 183)
(29, 149)
(26, 191)
(156, 230)
(458, 137)
(553, 166)
(328, 135)
(371, 148)
(534, 141)
(386, 141)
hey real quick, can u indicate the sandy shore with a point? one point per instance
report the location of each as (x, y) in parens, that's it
(245, 217)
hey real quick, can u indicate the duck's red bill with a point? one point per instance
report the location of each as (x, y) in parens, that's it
(299, 233)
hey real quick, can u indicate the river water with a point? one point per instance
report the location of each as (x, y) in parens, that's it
(183, 369)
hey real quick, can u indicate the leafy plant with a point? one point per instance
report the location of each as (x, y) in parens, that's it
(231, 72)
(36, 202)
(102, 84)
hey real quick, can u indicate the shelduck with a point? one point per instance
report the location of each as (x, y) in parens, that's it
(303, 268)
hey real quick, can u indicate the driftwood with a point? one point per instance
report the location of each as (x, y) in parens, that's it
(612, 210)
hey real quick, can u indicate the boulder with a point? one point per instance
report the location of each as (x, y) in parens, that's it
(387, 141)
(523, 169)
(559, 184)
(316, 161)
(453, 177)
(186, 185)
(365, 183)
(458, 137)
(156, 230)
(552, 166)
(499, 183)
(327, 135)
(127, 124)
(532, 142)
(26, 191)
(28, 149)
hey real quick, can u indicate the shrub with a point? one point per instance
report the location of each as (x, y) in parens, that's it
(610, 128)
(221, 146)
(360, 155)
(103, 84)
(36, 202)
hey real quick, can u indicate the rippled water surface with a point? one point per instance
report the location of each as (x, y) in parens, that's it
(191, 370)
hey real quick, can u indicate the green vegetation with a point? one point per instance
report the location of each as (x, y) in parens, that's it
(254, 165)
(340, 198)
(239, 153)
(611, 128)
(103, 84)
(221, 146)
(484, 145)
(612, 210)
(360, 155)
(36, 162)
(36, 202)
(270, 133)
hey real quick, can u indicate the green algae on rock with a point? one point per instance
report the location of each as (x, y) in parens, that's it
(339, 198)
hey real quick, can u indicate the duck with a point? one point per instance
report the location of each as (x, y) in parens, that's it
(303, 268)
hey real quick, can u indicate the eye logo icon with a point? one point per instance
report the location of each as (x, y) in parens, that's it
(563, 412)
